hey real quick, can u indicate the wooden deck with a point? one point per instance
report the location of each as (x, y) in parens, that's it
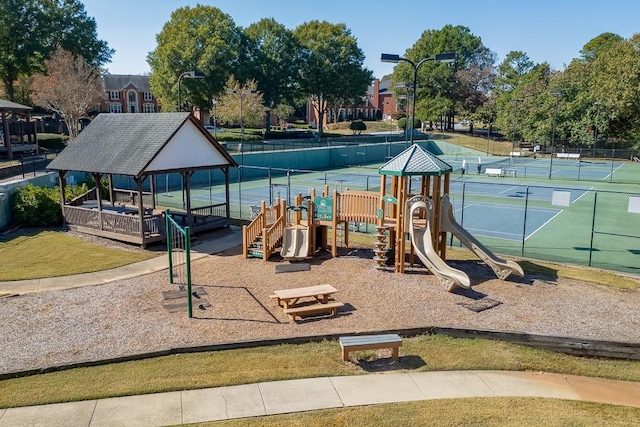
(122, 222)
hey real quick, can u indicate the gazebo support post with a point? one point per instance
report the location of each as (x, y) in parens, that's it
(227, 195)
(152, 189)
(138, 181)
(186, 176)
(112, 194)
(7, 137)
(61, 179)
(97, 177)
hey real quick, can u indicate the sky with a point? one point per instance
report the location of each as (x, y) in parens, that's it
(552, 31)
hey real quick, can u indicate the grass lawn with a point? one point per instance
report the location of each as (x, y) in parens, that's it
(481, 412)
(282, 362)
(34, 254)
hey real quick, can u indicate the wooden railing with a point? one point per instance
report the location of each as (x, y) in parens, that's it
(251, 232)
(358, 206)
(272, 237)
(89, 195)
(271, 220)
(130, 197)
(208, 214)
(114, 222)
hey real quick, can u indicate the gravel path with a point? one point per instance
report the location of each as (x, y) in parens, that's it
(125, 317)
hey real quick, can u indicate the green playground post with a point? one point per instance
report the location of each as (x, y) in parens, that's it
(169, 243)
(187, 248)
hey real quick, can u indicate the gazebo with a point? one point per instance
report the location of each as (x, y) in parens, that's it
(140, 146)
(20, 128)
(414, 161)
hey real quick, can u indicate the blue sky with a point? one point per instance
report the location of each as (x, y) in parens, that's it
(547, 30)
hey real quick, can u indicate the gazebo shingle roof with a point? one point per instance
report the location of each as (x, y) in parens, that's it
(123, 144)
(415, 161)
(12, 106)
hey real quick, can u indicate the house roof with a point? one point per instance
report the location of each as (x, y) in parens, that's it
(415, 161)
(12, 106)
(142, 144)
(120, 81)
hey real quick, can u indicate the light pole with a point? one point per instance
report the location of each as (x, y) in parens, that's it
(241, 93)
(214, 102)
(187, 75)
(441, 57)
(595, 127)
(513, 138)
(557, 93)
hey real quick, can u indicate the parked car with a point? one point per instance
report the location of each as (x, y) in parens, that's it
(213, 129)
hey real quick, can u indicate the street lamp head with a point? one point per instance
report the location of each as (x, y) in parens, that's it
(557, 92)
(597, 103)
(445, 58)
(389, 57)
(192, 74)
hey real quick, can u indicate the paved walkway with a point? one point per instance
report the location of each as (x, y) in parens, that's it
(215, 243)
(281, 397)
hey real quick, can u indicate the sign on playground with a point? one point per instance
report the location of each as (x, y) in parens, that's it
(323, 208)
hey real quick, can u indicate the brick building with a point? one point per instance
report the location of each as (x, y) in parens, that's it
(378, 103)
(126, 93)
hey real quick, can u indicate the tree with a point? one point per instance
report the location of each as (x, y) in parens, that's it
(273, 58)
(591, 50)
(282, 112)
(30, 30)
(239, 96)
(475, 83)
(202, 39)
(438, 87)
(331, 65)
(69, 87)
(615, 80)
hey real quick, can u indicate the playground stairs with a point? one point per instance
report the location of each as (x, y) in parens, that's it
(264, 234)
(256, 249)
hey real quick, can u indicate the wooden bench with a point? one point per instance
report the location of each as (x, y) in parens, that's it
(329, 307)
(568, 155)
(494, 172)
(370, 342)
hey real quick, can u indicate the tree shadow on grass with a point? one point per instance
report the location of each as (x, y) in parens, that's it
(372, 363)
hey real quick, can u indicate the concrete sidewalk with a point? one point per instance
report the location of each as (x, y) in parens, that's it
(215, 242)
(281, 397)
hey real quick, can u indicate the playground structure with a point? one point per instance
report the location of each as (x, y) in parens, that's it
(426, 217)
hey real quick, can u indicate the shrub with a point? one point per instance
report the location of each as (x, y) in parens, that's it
(357, 127)
(33, 206)
(402, 123)
(52, 141)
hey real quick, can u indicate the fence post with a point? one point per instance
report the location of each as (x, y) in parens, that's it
(464, 188)
(593, 225)
(524, 226)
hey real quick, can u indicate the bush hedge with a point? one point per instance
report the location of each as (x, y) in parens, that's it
(33, 206)
(357, 126)
(402, 123)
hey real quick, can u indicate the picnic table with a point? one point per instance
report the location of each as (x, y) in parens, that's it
(289, 297)
(319, 296)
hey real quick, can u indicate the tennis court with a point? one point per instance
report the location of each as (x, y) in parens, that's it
(513, 215)
(493, 220)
